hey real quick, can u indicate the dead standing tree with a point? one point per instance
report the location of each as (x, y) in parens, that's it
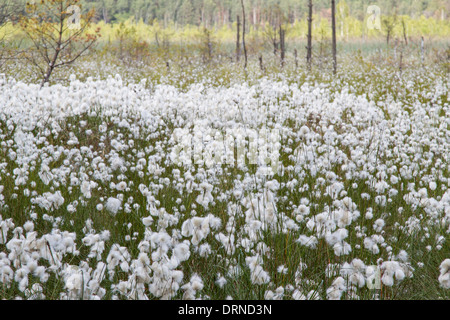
(238, 40)
(296, 59)
(309, 46)
(243, 34)
(207, 44)
(405, 37)
(275, 31)
(59, 34)
(333, 29)
(282, 45)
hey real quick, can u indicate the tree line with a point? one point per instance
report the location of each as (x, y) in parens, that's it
(216, 13)
(221, 12)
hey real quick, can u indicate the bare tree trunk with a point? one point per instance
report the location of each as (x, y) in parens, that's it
(210, 46)
(59, 43)
(238, 40)
(296, 58)
(261, 64)
(105, 15)
(309, 47)
(243, 33)
(422, 51)
(404, 32)
(333, 27)
(282, 45)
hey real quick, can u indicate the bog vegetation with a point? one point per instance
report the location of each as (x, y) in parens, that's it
(165, 160)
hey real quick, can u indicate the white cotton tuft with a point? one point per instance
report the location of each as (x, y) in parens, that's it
(147, 221)
(113, 205)
(444, 277)
(181, 252)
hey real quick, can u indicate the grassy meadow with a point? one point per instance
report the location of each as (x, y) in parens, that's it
(165, 170)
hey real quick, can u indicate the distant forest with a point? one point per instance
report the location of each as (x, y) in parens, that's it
(216, 13)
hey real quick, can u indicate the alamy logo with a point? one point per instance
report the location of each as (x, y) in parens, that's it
(374, 20)
(211, 147)
(74, 21)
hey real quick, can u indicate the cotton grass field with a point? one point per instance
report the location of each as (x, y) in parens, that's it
(149, 183)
